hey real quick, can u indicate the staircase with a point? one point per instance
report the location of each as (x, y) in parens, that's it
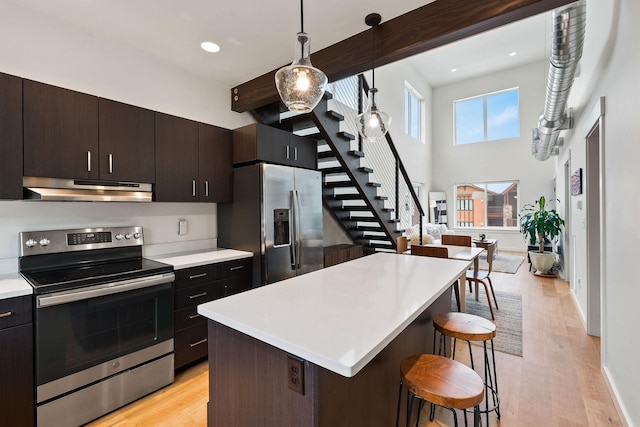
(366, 204)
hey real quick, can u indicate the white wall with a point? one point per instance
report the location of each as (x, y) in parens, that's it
(502, 160)
(416, 155)
(611, 66)
(42, 49)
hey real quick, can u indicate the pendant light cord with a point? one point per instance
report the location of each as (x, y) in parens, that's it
(301, 17)
(373, 59)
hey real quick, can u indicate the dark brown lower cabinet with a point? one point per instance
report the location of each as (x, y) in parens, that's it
(197, 285)
(338, 254)
(17, 400)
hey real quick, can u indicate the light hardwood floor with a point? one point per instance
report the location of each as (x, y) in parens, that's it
(557, 382)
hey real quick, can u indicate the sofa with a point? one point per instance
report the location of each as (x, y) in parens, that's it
(431, 233)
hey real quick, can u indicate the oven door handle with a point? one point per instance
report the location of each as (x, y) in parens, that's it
(65, 297)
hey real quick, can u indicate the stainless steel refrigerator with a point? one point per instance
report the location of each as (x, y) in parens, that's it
(276, 213)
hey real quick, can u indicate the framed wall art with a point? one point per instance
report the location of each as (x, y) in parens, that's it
(576, 182)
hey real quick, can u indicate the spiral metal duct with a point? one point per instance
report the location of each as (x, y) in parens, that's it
(569, 25)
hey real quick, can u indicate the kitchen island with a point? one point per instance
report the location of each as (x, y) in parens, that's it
(324, 348)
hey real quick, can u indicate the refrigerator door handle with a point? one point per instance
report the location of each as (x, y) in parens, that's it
(292, 224)
(298, 234)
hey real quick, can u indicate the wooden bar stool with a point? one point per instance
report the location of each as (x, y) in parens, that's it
(440, 381)
(471, 328)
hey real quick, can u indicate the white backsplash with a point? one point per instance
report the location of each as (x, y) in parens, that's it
(159, 222)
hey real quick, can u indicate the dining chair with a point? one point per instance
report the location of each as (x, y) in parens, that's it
(401, 244)
(456, 240)
(436, 252)
(482, 276)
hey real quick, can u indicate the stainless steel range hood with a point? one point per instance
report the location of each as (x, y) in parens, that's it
(75, 190)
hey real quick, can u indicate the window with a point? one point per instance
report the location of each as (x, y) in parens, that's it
(412, 112)
(487, 118)
(491, 204)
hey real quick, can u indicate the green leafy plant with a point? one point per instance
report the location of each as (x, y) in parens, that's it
(537, 224)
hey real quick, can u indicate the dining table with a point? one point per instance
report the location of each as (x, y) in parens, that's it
(464, 253)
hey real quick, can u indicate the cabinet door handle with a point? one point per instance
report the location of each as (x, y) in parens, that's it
(206, 188)
(7, 314)
(195, 316)
(110, 163)
(295, 153)
(239, 267)
(201, 294)
(287, 152)
(193, 188)
(202, 341)
(88, 161)
(197, 276)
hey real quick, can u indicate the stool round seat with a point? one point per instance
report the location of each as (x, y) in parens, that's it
(464, 326)
(442, 381)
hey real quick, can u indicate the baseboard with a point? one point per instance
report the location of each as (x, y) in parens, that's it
(583, 318)
(622, 413)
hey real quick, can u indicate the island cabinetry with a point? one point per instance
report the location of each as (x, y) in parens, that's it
(10, 137)
(60, 132)
(17, 404)
(73, 135)
(258, 142)
(197, 285)
(193, 161)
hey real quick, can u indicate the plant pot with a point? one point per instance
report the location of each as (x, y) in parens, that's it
(542, 262)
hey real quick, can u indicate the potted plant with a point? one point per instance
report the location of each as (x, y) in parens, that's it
(539, 225)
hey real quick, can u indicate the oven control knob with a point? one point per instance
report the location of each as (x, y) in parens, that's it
(127, 236)
(30, 243)
(44, 241)
(137, 235)
(119, 236)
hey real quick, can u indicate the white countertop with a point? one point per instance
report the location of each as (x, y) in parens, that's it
(193, 259)
(339, 317)
(13, 285)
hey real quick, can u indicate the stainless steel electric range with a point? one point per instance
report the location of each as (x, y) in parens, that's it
(103, 321)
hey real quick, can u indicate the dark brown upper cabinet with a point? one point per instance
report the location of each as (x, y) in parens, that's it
(258, 142)
(215, 168)
(60, 132)
(177, 177)
(126, 142)
(193, 161)
(10, 137)
(73, 135)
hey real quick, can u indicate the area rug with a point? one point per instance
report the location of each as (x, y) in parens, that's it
(502, 263)
(508, 319)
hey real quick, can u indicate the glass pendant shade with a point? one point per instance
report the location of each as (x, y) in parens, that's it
(373, 123)
(300, 84)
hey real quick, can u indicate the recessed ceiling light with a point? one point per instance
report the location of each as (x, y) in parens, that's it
(210, 47)
(513, 53)
(453, 70)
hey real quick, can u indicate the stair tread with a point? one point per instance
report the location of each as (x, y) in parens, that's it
(356, 153)
(356, 208)
(333, 184)
(326, 154)
(335, 115)
(346, 135)
(374, 184)
(332, 170)
(356, 196)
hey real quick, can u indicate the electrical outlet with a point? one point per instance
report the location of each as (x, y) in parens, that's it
(295, 374)
(183, 227)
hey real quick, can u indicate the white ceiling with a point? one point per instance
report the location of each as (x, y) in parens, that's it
(257, 36)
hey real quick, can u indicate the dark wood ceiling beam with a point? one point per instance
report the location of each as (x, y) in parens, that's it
(430, 26)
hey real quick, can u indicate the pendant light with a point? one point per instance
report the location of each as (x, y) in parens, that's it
(300, 84)
(373, 123)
